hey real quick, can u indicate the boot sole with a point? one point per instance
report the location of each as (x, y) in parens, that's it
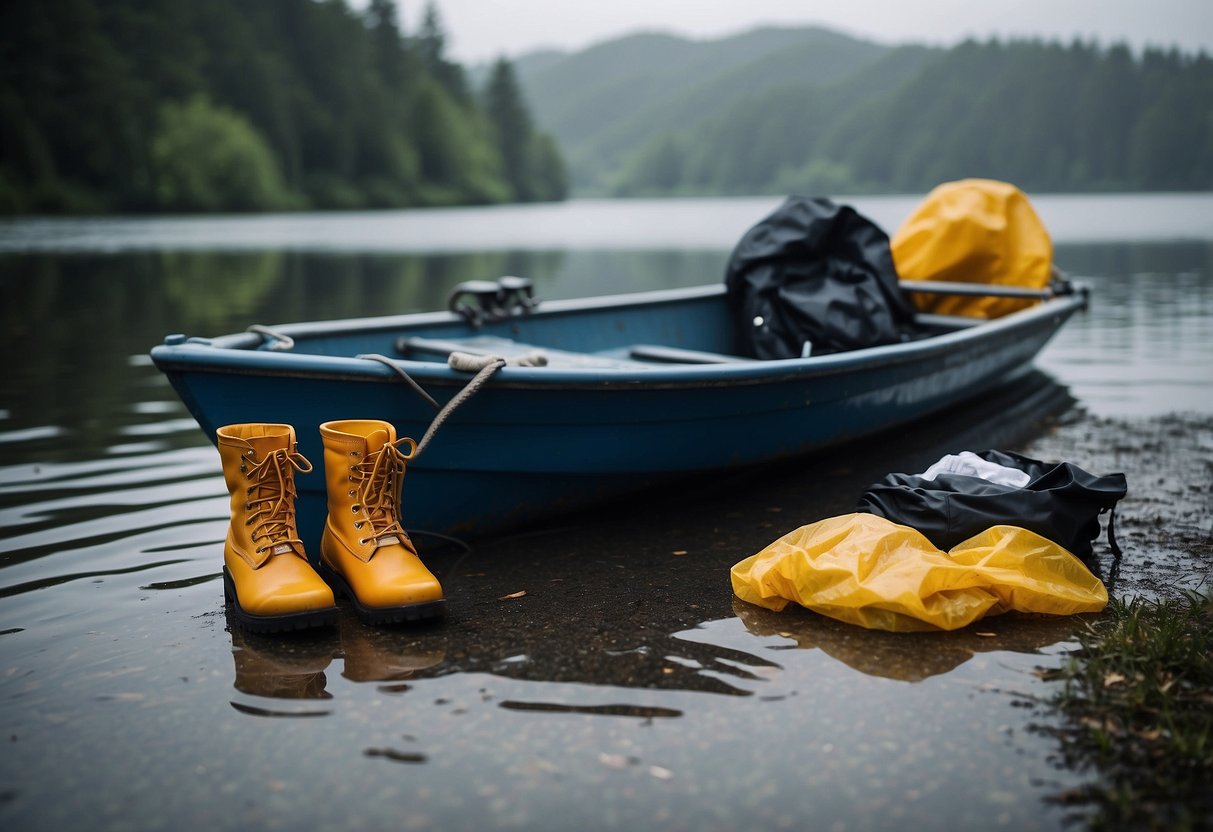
(285, 623)
(406, 613)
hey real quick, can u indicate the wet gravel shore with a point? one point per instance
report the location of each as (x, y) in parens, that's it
(1165, 523)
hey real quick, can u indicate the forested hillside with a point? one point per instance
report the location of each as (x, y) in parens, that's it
(777, 111)
(154, 105)
(606, 101)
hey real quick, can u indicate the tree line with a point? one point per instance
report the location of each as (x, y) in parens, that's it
(1046, 116)
(226, 105)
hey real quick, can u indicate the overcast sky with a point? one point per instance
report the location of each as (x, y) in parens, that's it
(480, 30)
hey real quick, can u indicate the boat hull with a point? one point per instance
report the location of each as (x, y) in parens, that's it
(535, 441)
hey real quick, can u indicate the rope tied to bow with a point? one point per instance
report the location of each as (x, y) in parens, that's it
(484, 366)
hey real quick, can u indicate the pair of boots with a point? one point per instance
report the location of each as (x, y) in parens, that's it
(365, 553)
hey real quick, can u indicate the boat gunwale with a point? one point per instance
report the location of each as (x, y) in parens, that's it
(236, 354)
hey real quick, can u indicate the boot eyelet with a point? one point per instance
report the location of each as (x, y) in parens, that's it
(352, 493)
(355, 508)
(362, 541)
(358, 524)
(248, 507)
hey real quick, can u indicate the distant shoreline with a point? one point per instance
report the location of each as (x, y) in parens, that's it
(675, 223)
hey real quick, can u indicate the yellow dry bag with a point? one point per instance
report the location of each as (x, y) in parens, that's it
(974, 231)
(866, 570)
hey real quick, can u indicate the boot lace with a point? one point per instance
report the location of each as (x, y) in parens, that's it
(381, 474)
(271, 498)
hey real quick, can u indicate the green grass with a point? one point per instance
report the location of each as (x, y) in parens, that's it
(1138, 702)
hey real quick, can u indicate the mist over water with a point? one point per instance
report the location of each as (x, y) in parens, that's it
(578, 225)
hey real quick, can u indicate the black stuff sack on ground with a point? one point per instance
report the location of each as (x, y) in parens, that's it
(1060, 502)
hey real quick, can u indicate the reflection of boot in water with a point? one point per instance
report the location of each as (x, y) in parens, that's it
(282, 668)
(375, 655)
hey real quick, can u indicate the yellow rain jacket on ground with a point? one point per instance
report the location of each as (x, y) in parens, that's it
(974, 231)
(866, 570)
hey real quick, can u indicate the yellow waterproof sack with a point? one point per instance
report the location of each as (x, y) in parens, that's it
(974, 231)
(866, 570)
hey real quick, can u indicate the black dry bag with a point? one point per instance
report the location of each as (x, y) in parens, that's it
(1061, 502)
(814, 273)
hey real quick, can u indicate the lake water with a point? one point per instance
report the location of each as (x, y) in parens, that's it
(625, 689)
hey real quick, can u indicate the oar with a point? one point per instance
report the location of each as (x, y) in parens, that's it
(942, 287)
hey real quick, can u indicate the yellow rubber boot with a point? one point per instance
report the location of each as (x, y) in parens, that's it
(266, 574)
(365, 552)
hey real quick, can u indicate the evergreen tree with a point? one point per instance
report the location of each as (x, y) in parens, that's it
(512, 122)
(391, 58)
(529, 160)
(431, 49)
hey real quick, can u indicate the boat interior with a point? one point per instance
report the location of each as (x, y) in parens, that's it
(683, 327)
(689, 326)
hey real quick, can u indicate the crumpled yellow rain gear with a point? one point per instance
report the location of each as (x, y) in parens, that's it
(974, 231)
(866, 570)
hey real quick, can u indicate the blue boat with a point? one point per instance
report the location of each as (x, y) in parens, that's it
(636, 389)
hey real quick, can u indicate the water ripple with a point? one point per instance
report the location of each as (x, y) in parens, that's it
(55, 580)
